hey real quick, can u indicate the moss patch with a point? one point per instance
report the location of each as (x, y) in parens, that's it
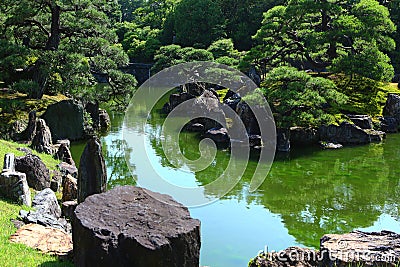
(366, 96)
(16, 107)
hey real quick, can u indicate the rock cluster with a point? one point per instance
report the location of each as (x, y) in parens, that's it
(343, 250)
(46, 211)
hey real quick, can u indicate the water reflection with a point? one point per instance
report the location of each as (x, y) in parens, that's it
(315, 192)
(305, 195)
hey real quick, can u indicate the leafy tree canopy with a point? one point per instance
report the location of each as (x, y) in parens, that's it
(66, 42)
(198, 23)
(172, 55)
(327, 34)
(299, 99)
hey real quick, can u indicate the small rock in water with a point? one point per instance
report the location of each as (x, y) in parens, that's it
(328, 145)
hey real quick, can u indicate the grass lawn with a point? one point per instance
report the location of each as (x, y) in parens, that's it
(16, 254)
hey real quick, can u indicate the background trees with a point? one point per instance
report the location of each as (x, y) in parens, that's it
(198, 23)
(352, 37)
(66, 42)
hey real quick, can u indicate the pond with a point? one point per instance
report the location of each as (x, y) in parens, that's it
(305, 195)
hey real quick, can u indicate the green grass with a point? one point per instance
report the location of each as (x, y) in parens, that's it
(11, 147)
(17, 254)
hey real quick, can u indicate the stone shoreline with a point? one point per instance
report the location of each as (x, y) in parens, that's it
(352, 249)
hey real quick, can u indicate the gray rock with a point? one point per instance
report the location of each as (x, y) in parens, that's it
(219, 136)
(303, 136)
(64, 141)
(208, 111)
(348, 133)
(64, 154)
(37, 174)
(392, 107)
(42, 141)
(283, 139)
(327, 145)
(65, 120)
(194, 127)
(177, 99)
(247, 116)
(46, 211)
(70, 189)
(375, 136)
(232, 103)
(13, 185)
(372, 249)
(66, 169)
(92, 174)
(46, 220)
(104, 120)
(362, 121)
(30, 130)
(135, 230)
(55, 182)
(46, 202)
(68, 208)
(25, 150)
(255, 141)
(254, 76)
(389, 124)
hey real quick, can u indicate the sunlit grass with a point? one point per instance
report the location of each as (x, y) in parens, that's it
(17, 254)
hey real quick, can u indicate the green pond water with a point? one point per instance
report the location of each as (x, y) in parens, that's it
(305, 195)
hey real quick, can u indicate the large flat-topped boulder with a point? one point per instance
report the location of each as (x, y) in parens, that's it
(126, 226)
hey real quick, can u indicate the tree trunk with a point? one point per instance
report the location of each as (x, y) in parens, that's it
(54, 39)
(39, 76)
